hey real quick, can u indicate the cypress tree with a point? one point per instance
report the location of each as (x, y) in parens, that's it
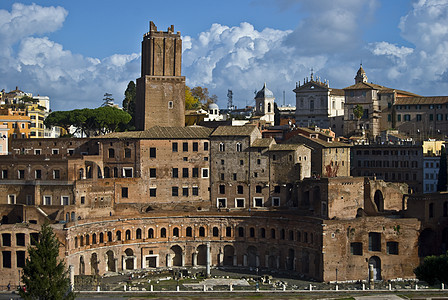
(443, 176)
(44, 274)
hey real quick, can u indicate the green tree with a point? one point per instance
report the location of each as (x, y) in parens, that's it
(191, 102)
(129, 104)
(358, 111)
(442, 181)
(202, 94)
(434, 269)
(44, 274)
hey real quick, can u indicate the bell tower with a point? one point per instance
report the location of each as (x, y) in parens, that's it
(161, 88)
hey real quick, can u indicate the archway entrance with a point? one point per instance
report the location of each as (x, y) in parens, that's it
(94, 264)
(111, 261)
(176, 256)
(229, 252)
(376, 262)
(251, 256)
(82, 266)
(379, 200)
(202, 255)
(129, 259)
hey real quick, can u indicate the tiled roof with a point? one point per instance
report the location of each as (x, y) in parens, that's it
(337, 92)
(284, 147)
(234, 130)
(373, 86)
(313, 142)
(158, 132)
(263, 143)
(421, 100)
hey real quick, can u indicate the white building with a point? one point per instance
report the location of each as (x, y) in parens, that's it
(319, 105)
(264, 105)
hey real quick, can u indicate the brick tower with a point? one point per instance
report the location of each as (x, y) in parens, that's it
(161, 88)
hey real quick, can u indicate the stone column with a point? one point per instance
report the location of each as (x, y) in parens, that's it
(245, 260)
(168, 260)
(221, 259)
(123, 263)
(235, 261)
(195, 259)
(257, 261)
(183, 259)
(72, 277)
(208, 260)
(371, 279)
(116, 264)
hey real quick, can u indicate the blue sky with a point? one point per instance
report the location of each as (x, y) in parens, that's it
(75, 51)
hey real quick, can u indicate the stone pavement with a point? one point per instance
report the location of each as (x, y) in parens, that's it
(378, 297)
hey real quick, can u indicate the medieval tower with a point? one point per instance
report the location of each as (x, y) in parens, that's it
(161, 88)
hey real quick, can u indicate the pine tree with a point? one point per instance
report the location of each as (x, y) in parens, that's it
(443, 176)
(44, 275)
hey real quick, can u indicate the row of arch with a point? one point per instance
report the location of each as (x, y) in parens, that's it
(190, 232)
(176, 256)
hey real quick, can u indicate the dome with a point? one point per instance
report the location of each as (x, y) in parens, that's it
(213, 106)
(264, 93)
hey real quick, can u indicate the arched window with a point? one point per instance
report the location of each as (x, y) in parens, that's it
(101, 237)
(222, 147)
(76, 242)
(87, 239)
(127, 235)
(93, 238)
(215, 231)
(262, 233)
(138, 234)
(189, 232)
(109, 236)
(201, 231)
(118, 235)
(269, 107)
(163, 232)
(239, 147)
(240, 231)
(272, 233)
(228, 231)
(252, 232)
(81, 240)
(176, 232)
(111, 153)
(150, 233)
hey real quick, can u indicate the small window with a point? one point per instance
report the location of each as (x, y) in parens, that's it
(195, 173)
(222, 147)
(152, 192)
(65, 200)
(240, 231)
(56, 174)
(163, 233)
(392, 248)
(20, 239)
(239, 202)
(258, 202)
(4, 174)
(152, 172)
(47, 200)
(205, 146)
(221, 202)
(185, 191)
(127, 153)
(239, 189)
(175, 147)
(275, 201)
(170, 105)
(189, 232)
(195, 191)
(175, 173)
(12, 199)
(185, 146)
(374, 241)
(222, 189)
(55, 151)
(195, 147)
(124, 192)
(239, 147)
(174, 191)
(263, 233)
(215, 231)
(83, 199)
(152, 152)
(356, 248)
(258, 189)
(204, 173)
(185, 172)
(228, 231)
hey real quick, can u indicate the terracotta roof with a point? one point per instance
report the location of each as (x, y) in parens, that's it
(263, 143)
(234, 130)
(421, 100)
(158, 132)
(284, 147)
(337, 92)
(364, 86)
(313, 142)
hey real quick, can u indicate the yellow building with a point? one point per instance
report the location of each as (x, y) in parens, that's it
(37, 116)
(18, 125)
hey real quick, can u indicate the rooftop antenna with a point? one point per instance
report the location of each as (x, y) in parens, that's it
(283, 98)
(229, 100)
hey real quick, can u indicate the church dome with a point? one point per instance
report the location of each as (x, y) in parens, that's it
(264, 93)
(213, 106)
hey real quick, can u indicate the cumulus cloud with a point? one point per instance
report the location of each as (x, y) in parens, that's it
(42, 66)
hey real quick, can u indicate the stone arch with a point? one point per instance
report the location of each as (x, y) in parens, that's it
(129, 259)
(82, 266)
(109, 236)
(176, 231)
(290, 259)
(111, 267)
(229, 252)
(87, 239)
(138, 234)
(101, 237)
(201, 231)
(252, 256)
(379, 200)
(150, 233)
(163, 232)
(202, 255)
(215, 232)
(376, 262)
(94, 264)
(176, 256)
(127, 235)
(93, 238)
(118, 235)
